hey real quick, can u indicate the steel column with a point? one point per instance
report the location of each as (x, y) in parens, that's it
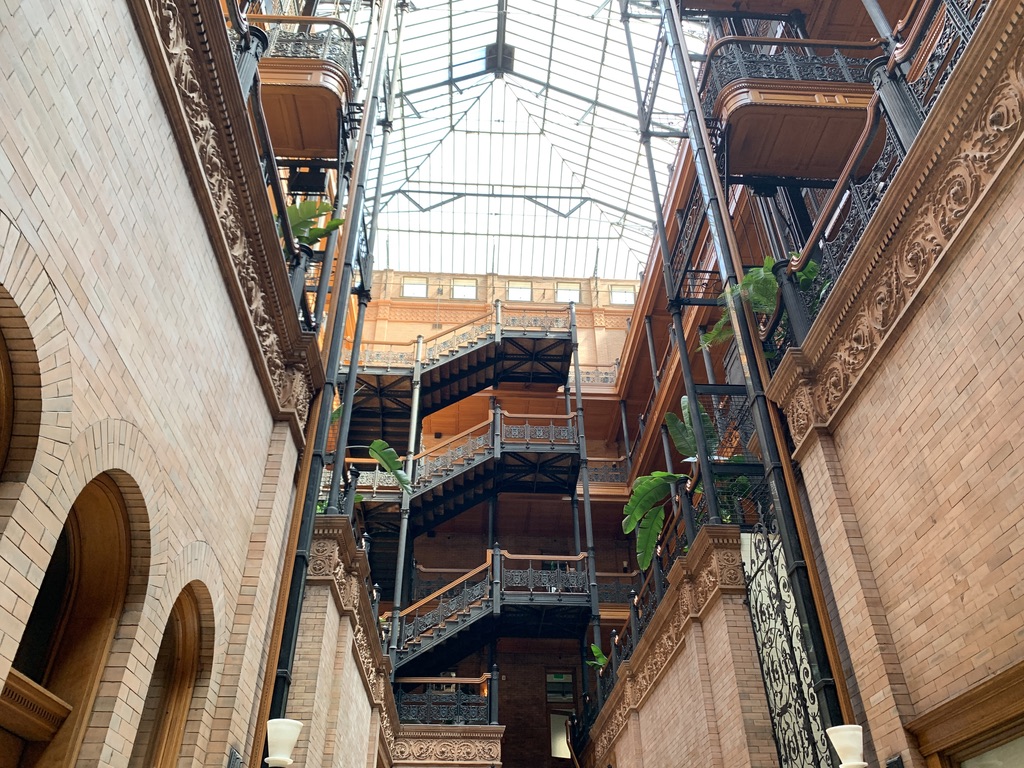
(595, 605)
(625, 437)
(403, 526)
(722, 237)
(652, 353)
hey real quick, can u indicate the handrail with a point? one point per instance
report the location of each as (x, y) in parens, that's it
(272, 175)
(310, 21)
(567, 417)
(484, 678)
(506, 555)
(474, 321)
(918, 20)
(828, 211)
(447, 588)
(448, 443)
(239, 21)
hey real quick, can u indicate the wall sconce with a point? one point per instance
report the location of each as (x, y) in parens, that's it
(848, 742)
(281, 737)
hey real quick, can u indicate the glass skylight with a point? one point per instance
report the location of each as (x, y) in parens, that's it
(515, 147)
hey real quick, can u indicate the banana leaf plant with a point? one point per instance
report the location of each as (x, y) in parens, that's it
(645, 510)
(304, 218)
(760, 289)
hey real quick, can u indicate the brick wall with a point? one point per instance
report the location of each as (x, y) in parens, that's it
(918, 493)
(131, 360)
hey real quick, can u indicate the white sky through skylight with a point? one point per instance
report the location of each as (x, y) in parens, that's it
(537, 172)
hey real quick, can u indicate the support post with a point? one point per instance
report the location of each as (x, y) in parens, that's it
(492, 694)
(723, 240)
(403, 526)
(595, 605)
(496, 579)
(651, 352)
(625, 437)
(575, 503)
(492, 531)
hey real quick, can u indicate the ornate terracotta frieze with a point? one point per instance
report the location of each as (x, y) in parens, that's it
(711, 568)
(336, 560)
(425, 745)
(192, 64)
(971, 135)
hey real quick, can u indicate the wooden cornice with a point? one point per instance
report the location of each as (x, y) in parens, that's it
(193, 68)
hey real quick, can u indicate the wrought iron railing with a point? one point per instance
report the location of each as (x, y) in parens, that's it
(770, 58)
(616, 587)
(608, 470)
(312, 37)
(465, 449)
(444, 606)
(599, 374)
(541, 573)
(553, 430)
(446, 700)
(487, 327)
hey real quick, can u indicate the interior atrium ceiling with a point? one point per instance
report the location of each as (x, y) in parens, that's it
(515, 147)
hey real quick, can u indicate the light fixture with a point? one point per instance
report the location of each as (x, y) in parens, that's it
(281, 737)
(848, 741)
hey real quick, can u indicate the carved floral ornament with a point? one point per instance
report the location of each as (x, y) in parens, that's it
(817, 384)
(291, 382)
(447, 750)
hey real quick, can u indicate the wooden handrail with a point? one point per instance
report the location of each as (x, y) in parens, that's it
(435, 595)
(918, 21)
(450, 440)
(832, 203)
(538, 416)
(444, 680)
(425, 569)
(475, 320)
(546, 558)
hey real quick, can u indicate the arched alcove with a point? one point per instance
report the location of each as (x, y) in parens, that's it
(172, 688)
(53, 683)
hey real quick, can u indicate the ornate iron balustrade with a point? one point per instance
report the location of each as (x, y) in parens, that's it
(473, 591)
(458, 338)
(443, 704)
(534, 430)
(530, 320)
(599, 374)
(737, 58)
(559, 579)
(298, 37)
(384, 355)
(441, 461)
(616, 587)
(733, 425)
(957, 20)
(607, 471)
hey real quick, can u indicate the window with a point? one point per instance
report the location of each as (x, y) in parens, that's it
(520, 291)
(414, 287)
(463, 288)
(623, 294)
(561, 697)
(566, 292)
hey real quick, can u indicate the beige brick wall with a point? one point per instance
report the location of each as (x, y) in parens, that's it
(918, 496)
(113, 299)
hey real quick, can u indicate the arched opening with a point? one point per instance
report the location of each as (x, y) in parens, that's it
(6, 402)
(49, 694)
(162, 728)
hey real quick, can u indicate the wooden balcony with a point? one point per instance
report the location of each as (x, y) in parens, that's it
(309, 74)
(833, 19)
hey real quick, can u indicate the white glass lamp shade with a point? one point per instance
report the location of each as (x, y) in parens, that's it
(848, 741)
(281, 737)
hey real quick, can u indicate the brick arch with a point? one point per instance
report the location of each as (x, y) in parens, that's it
(32, 324)
(112, 447)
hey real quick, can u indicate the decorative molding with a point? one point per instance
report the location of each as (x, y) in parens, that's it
(193, 66)
(712, 567)
(30, 711)
(449, 745)
(336, 560)
(968, 140)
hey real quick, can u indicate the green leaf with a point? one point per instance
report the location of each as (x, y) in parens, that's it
(304, 215)
(647, 537)
(710, 433)
(682, 435)
(649, 491)
(599, 659)
(386, 456)
(720, 331)
(336, 415)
